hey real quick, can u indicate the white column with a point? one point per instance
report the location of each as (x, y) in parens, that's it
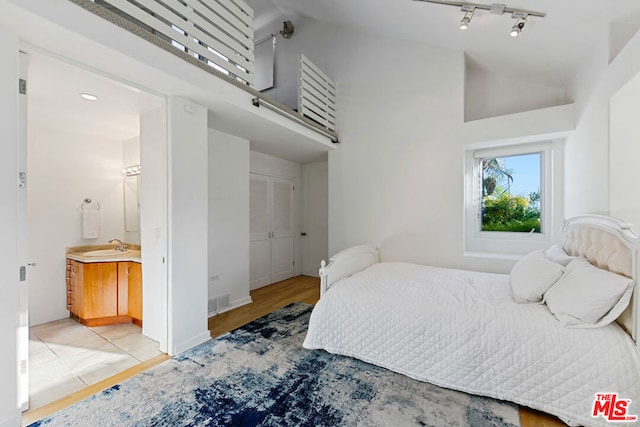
(188, 219)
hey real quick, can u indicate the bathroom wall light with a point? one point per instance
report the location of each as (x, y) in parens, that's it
(132, 170)
(468, 14)
(88, 97)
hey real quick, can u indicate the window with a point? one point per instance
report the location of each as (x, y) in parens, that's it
(511, 193)
(513, 201)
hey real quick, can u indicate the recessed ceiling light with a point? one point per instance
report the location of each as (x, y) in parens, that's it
(89, 97)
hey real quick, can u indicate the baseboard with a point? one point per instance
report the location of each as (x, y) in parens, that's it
(190, 343)
(234, 304)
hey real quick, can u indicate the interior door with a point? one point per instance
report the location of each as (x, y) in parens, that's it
(315, 228)
(282, 266)
(259, 232)
(23, 332)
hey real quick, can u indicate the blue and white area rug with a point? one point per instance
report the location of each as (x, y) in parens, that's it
(259, 375)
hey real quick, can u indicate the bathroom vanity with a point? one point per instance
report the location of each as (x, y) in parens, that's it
(104, 286)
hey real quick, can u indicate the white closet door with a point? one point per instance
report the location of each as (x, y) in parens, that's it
(259, 231)
(315, 199)
(281, 230)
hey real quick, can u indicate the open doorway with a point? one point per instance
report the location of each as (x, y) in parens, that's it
(83, 133)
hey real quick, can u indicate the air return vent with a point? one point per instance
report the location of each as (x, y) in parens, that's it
(218, 304)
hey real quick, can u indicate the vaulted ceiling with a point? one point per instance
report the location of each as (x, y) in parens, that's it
(548, 51)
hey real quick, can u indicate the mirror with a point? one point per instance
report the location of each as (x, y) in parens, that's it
(131, 205)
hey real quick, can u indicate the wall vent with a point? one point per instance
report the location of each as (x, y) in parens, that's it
(218, 304)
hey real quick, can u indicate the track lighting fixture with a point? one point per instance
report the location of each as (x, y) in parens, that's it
(520, 15)
(287, 29)
(521, 19)
(468, 14)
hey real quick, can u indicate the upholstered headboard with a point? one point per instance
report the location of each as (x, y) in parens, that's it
(610, 244)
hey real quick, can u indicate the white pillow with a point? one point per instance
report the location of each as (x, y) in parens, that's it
(556, 254)
(532, 276)
(587, 296)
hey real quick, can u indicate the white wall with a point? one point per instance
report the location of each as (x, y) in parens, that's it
(587, 159)
(228, 176)
(624, 175)
(274, 166)
(188, 223)
(153, 224)
(64, 169)
(490, 95)
(396, 179)
(9, 409)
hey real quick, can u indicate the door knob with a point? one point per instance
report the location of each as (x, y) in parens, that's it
(303, 234)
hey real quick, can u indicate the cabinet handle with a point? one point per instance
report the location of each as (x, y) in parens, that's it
(73, 270)
(128, 271)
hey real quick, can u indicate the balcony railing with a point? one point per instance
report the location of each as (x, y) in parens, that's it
(216, 32)
(217, 35)
(316, 94)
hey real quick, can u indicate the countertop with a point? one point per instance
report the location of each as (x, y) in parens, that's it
(76, 253)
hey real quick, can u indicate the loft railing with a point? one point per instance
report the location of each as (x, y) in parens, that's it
(216, 32)
(316, 94)
(217, 36)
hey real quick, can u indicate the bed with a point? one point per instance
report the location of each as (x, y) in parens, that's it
(464, 330)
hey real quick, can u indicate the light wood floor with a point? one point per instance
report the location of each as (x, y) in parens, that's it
(265, 300)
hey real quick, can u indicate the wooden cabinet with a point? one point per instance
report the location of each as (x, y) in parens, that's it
(130, 290)
(98, 293)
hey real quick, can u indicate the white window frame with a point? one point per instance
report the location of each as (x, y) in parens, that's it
(512, 245)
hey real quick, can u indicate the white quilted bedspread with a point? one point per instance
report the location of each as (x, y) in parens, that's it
(461, 330)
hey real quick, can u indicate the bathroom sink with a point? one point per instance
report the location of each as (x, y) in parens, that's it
(105, 252)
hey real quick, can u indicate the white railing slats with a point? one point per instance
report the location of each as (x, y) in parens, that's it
(222, 26)
(230, 48)
(226, 33)
(220, 15)
(321, 100)
(312, 69)
(238, 8)
(317, 97)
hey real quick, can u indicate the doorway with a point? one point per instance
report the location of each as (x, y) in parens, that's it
(83, 130)
(271, 230)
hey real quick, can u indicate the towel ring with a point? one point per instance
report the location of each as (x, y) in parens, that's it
(87, 202)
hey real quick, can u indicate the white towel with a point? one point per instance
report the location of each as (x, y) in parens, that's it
(90, 224)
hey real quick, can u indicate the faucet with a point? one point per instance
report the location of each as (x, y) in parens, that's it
(120, 247)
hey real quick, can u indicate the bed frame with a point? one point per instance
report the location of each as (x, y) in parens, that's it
(609, 243)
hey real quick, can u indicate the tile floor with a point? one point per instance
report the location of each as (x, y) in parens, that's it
(66, 356)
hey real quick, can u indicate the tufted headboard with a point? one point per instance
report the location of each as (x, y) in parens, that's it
(610, 244)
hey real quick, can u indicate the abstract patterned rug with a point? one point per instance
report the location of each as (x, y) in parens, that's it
(259, 375)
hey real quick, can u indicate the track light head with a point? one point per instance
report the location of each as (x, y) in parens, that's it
(519, 25)
(287, 29)
(468, 14)
(464, 24)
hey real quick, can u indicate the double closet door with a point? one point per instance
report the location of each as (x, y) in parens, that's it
(271, 256)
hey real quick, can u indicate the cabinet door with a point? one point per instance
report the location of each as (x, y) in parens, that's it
(123, 288)
(134, 275)
(100, 297)
(74, 290)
